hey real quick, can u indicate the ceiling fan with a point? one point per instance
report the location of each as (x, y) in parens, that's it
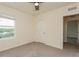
(37, 5)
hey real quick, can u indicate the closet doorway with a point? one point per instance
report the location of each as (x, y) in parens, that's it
(71, 29)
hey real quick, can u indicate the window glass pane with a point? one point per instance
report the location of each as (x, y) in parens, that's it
(7, 27)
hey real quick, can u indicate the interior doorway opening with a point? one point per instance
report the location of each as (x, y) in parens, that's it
(71, 30)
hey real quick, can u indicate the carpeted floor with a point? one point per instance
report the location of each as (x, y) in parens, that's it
(41, 50)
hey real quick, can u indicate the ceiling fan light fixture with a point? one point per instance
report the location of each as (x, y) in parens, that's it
(36, 4)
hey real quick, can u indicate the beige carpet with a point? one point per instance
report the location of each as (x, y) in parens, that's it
(41, 50)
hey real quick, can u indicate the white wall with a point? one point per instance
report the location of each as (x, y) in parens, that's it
(46, 27)
(49, 29)
(23, 28)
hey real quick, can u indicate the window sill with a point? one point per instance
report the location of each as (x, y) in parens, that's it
(9, 38)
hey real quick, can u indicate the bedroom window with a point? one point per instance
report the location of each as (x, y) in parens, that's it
(7, 27)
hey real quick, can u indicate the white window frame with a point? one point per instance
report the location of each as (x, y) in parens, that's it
(12, 18)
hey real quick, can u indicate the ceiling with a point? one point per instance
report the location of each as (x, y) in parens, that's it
(29, 7)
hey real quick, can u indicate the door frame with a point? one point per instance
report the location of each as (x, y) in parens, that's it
(65, 20)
